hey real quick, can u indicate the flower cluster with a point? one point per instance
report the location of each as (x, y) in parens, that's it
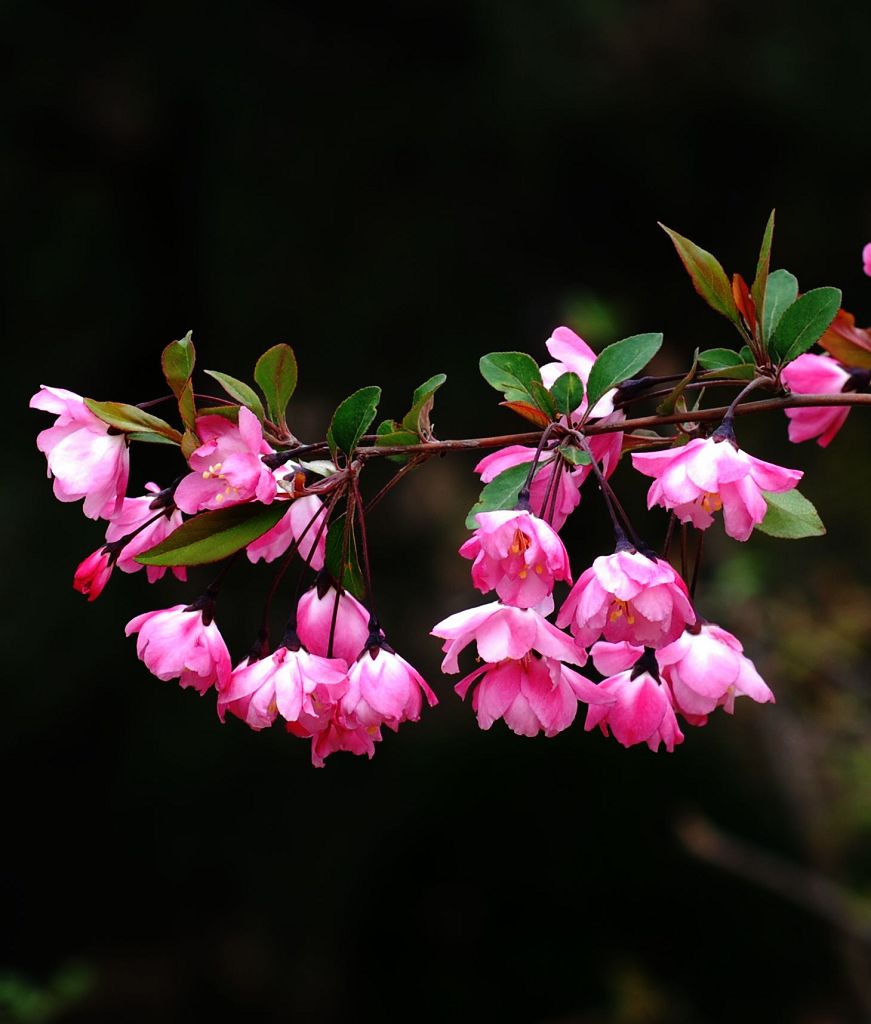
(334, 679)
(247, 488)
(630, 610)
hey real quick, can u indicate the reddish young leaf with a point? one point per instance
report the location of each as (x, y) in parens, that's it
(528, 412)
(744, 301)
(848, 343)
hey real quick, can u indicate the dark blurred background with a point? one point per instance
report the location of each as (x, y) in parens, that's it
(395, 190)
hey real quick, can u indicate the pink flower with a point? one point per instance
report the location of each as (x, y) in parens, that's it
(303, 523)
(518, 555)
(574, 354)
(383, 689)
(279, 684)
(641, 711)
(501, 632)
(93, 574)
(532, 695)
(85, 460)
(177, 642)
(334, 736)
(811, 374)
(227, 468)
(866, 259)
(133, 515)
(710, 474)
(627, 596)
(314, 621)
(567, 496)
(706, 669)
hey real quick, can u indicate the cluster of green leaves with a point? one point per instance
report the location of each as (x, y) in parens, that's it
(775, 323)
(517, 376)
(275, 372)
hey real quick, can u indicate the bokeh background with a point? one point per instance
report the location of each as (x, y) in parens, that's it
(396, 190)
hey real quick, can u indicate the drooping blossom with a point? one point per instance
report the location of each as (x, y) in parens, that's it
(812, 374)
(329, 735)
(132, 516)
(314, 623)
(177, 642)
(531, 694)
(627, 596)
(501, 632)
(227, 468)
(282, 683)
(93, 574)
(518, 555)
(706, 668)
(641, 710)
(559, 505)
(85, 459)
(303, 523)
(866, 259)
(383, 689)
(710, 474)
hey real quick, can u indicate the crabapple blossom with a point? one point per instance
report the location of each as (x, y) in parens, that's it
(93, 574)
(304, 523)
(383, 689)
(85, 459)
(813, 374)
(518, 555)
(641, 710)
(178, 642)
(132, 517)
(710, 474)
(501, 632)
(531, 694)
(227, 468)
(573, 353)
(706, 668)
(334, 736)
(866, 259)
(280, 684)
(315, 622)
(627, 596)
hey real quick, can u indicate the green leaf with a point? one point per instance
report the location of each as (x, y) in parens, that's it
(568, 392)
(149, 437)
(576, 456)
(619, 362)
(178, 360)
(668, 405)
(130, 418)
(501, 492)
(229, 412)
(781, 291)
(390, 433)
(804, 322)
(757, 289)
(239, 390)
(417, 417)
(708, 277)
(544, 400)
(512, 373)
(719, 358)
(211, 536)
(352, 419)
(349, 573)
(276, 373)
(790, 515)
